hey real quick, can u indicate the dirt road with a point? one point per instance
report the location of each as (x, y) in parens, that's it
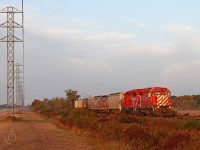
(2, 114)
(37, 133)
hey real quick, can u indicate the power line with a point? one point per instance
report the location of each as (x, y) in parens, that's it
(23, 81)
(10, 39)
(3, 75)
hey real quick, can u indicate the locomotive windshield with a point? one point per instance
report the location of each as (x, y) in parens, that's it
(166, 93)
(157, 92)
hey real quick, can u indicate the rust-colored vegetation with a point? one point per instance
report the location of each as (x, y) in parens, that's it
(186, 102)
(124, 131)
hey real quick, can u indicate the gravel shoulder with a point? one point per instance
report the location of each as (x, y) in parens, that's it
(32, 132)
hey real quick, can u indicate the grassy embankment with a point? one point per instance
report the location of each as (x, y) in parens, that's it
(120, 131)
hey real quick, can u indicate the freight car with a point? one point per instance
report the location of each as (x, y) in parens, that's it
(149, 101)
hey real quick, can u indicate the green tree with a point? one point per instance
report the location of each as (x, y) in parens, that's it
(71, 97)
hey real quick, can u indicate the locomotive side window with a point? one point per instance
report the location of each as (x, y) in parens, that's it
(133, 96)
(149, 94)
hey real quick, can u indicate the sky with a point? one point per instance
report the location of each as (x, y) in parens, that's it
(105, 46)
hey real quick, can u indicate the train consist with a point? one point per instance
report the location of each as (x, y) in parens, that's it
(154, 101)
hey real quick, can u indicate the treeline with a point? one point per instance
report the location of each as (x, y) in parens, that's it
(186, 102)
(56, 104)
(49, 104)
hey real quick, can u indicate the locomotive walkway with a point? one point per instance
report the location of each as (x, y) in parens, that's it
(33, 132)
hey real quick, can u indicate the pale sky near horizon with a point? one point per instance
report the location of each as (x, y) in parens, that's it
(105, 46)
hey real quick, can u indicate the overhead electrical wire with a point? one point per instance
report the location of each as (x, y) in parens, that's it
(3, 73)
(23, 46)
(2, 59)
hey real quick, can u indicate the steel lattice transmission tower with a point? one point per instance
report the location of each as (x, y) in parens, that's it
(19, 85)
(10, 39)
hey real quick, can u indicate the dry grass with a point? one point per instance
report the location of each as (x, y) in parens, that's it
(120, 131)
(37, 134)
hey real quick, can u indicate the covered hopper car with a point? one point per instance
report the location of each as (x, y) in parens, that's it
(105, 103)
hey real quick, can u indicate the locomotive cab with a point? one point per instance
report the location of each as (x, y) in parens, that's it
(161, 100)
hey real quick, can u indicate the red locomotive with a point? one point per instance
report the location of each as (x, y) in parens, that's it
(148, 101)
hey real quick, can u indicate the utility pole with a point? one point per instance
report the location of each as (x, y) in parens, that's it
(10, 25)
